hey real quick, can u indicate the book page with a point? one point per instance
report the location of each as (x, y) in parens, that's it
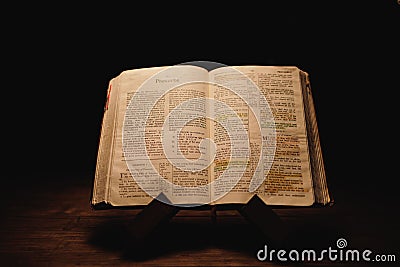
(321, 191)
(287, 179)
(145, 149)
(233, 188)
(105, 145)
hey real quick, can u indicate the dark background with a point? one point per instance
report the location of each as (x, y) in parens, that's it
(58, 59)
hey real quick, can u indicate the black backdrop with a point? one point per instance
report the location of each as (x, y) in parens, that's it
(57, 61)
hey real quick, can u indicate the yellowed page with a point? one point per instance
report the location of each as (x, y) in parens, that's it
(104, 152)
(124, 187)
(288, 181)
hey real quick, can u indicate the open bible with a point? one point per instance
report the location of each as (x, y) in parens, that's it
(212, 137)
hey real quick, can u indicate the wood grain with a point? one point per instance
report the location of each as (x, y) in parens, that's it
(52, 224)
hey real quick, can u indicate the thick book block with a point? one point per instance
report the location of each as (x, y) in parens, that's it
(149, 107)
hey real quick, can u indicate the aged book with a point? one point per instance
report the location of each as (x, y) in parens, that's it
(199, 136)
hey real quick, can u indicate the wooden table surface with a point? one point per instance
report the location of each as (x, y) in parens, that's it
(51, 223)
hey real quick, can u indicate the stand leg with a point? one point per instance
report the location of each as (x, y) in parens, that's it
(265, 219)
(255, 211)
(152, 216)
